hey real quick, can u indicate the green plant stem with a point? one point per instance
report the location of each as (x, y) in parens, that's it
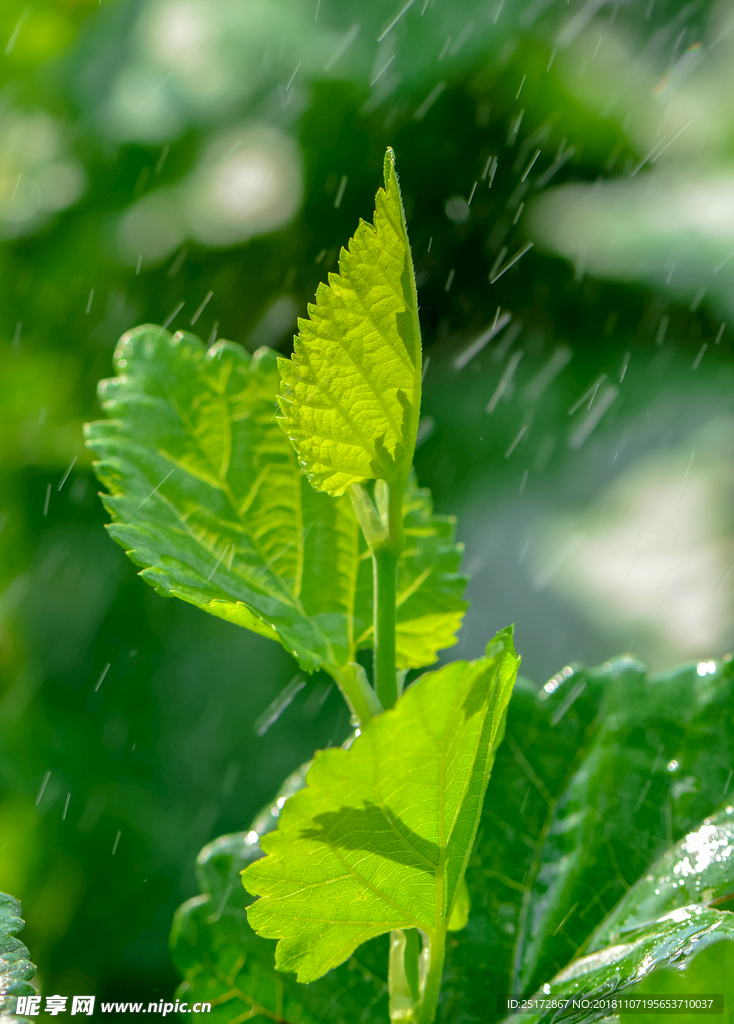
(429, 1002)
(360, 696)
(385, 565)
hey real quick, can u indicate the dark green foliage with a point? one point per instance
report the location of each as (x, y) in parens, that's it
(16, 970)
(584, 797)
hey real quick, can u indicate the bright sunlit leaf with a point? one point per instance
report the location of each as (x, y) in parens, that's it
(351, 392)
(207, 497)
(381, 836)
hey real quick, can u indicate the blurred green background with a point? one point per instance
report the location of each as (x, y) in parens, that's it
(201, 161)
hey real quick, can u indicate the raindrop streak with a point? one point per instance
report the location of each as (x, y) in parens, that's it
(442, 54)
(721, 331)
(515, 128)
(625, 364)
(89, 301)
(593, 396)
(641, 164)
(699, 357)
(16, 336)
(65, 477)
(471, 196)
(505, 381)
(117, 840)
(380, 73)
(42, 790)
(507, 342)
(521, 433)
(697, 299)
(139, 264)
(449, 280)
(343, 46)
(560, 358)
(552, 57)
(517, 94)
(501, 255)
(10, 45)
(658, 155)
(172, 316)
(213, 335)
(590, 391)
(578, 438)
(105, 670)
(723, 263)
(566, 917)
(162, 159)
(483, 339)
(290, 80)
(429, 101)
(557, 164)
(275, 709)
(340, 191)
(578, 23)
(200, 310)
(48, 498)
(395, 19)
(643, 794)
(728, 780)
(510, 263)
(66, 806)
(573, 696)
(156, 488)
(524, 481)
(216, 566)
(530, 165)
(516, 218)
(177, 263)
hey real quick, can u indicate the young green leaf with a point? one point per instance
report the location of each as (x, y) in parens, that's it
(351, 391)
(207, 496)
(225, 963)
(380, 838)
(16, 970)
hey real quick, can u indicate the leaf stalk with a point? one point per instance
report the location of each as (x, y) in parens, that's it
(385, 567)
(381, 522)
(429, 1001)
(359, 695)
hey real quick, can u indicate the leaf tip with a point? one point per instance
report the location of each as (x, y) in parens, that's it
(388, 166)
(504, 640)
